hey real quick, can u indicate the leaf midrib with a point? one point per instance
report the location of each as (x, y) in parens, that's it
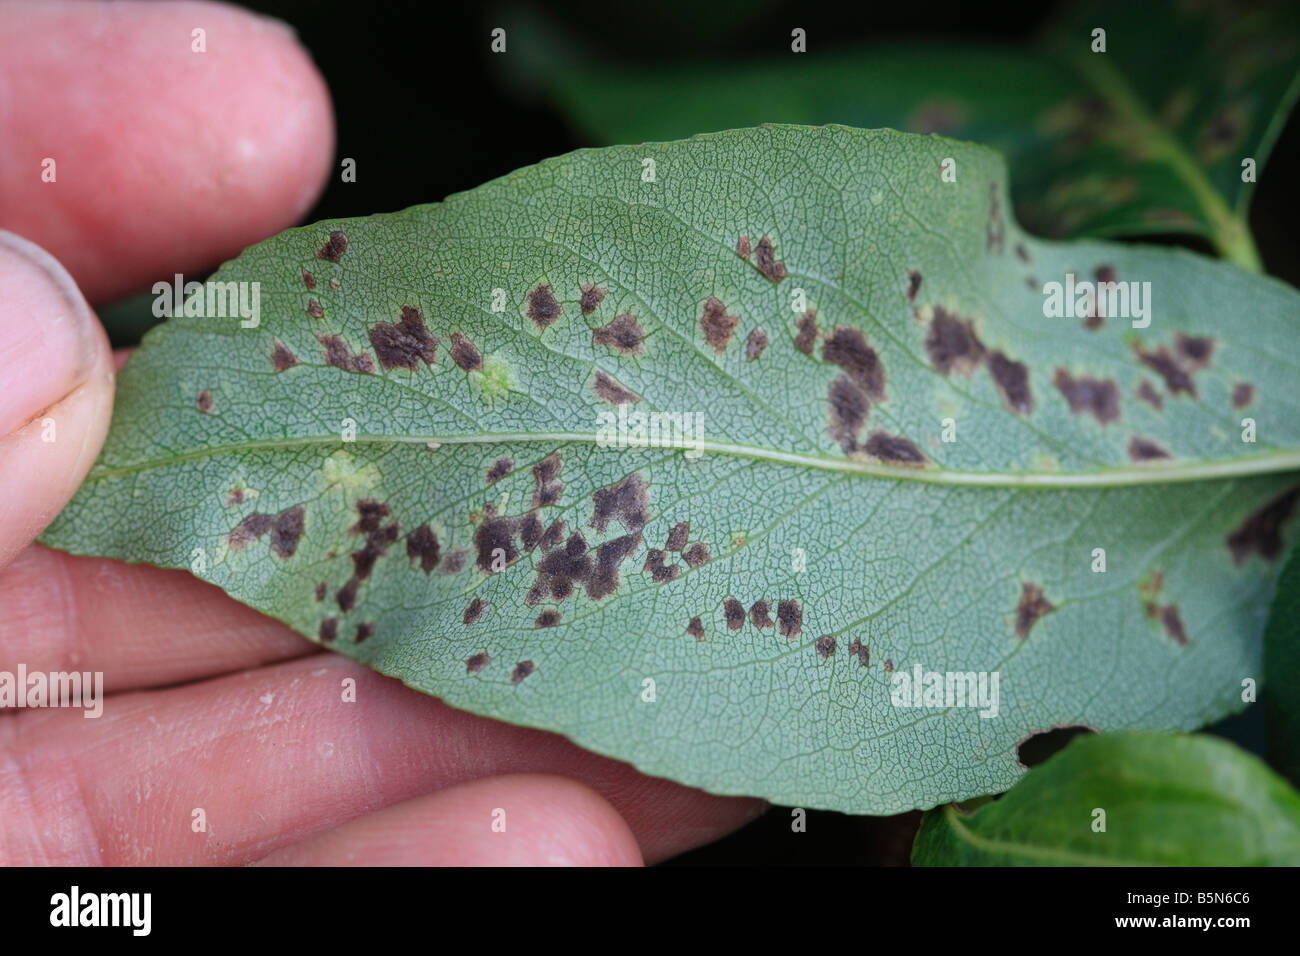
(1286, 460)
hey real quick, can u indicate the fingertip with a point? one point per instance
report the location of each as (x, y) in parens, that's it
(140, 146)
(512, 820)
(58, 390)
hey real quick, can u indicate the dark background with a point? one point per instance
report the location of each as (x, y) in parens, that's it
(426, 109)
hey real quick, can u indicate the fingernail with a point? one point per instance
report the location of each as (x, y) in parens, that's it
(48, 335)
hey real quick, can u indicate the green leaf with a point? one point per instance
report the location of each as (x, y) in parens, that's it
(1282, 657)
(1167, 801)
(907, 550)
(1144, 138)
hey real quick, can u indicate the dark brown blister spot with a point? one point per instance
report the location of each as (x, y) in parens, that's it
(623, 334)
(609, 389)
(624, 501)
(696, 554)
(499, 469)
(454, 562)
(548, 618)
(1105, 273)
(1173, 624)
(678, 536)
(308, 280)
(465, 353)
(1021, 252)
(1144, 449)
(422, 546)
(553, 535)
(766, 262)
(591, 297)
(1033, 605)
(658, 571)
(755, 344)
(848, 408)
(1012, 380)
(376, 546)
(742, 247)
(1243, 393)
(315, 310)
(320, 591)
(371, 515)
(952, 345)
(281, 357)
(1147, 392)
(560, 569)
(761, 615)
(334, 247)
(1100, 398)
(340, 356)
(334, 284)
(862, 653)
(1160, 361)
(205, 401)
(346, 596)
(789, 618)
(1093, 322)
(495, 536)
(889, 666)
(329, 629)
(847, 347)
(913, 285)
(808, 332)
(1195, 352)
(286, 531)
(696, 629)
(521, 671)
(716, 324)
(604, 577)
(1261, 531)
(734, 612)
(364, 631)
(235, 497)
(530, 531)
(542, 307)
(404, 343)
(894, 449)
(477, 662)
(547, 488)
(250, 529)
(826, 645)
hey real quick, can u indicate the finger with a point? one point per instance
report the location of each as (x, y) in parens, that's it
(140, 626)
(270, 757)
(516, 820)
(58, 391)
(164, 159)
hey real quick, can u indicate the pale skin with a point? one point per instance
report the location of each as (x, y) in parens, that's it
(212, 706)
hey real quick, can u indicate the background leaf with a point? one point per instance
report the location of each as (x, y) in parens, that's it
(877, 546)
(1168, 801)
(1145, 138)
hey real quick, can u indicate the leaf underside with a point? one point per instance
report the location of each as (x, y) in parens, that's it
(826, 508)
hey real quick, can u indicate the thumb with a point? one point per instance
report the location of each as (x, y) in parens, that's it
(56, 390)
